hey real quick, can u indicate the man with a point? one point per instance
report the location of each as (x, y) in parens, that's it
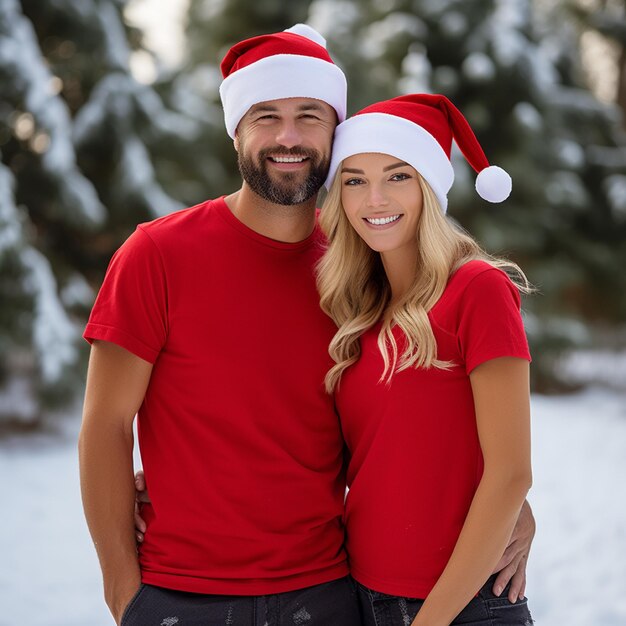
(208, 327)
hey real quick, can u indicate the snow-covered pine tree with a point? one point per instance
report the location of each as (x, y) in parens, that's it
(76, 176)
(599, 27)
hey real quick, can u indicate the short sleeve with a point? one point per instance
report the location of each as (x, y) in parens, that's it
(490, 322)
(131, 307)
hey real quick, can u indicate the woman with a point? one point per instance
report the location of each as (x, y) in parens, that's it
(431, 373)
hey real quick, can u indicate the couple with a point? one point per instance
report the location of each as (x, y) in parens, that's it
(208, 326)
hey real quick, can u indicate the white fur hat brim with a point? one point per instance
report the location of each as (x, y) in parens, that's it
(398, 137)
(282, 76)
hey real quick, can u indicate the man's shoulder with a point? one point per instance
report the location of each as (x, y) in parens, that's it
(181, 221)
(187, 228)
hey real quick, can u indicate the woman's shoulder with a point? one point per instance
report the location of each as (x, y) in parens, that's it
(469, 271)
(475, 288)
(474, 279)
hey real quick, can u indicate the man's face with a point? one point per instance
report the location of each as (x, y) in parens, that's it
(284, 148)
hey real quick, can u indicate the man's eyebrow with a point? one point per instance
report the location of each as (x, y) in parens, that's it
(258, 108)
(262, 108)
(311, 106)
(393, 166)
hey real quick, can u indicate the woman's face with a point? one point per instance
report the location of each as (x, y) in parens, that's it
(382, 198)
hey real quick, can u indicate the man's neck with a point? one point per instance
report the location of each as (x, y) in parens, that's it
(290, 224)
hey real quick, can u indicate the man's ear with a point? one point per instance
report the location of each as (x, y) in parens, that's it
(236, 141)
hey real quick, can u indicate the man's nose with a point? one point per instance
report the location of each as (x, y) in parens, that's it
(288, 135)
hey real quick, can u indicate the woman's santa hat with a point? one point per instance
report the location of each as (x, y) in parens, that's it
(291, 64)
(419, 129)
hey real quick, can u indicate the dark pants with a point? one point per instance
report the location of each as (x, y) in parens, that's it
(330, 604)
(485, 609)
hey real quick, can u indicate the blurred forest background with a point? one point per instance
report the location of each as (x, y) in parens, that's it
(90, 146)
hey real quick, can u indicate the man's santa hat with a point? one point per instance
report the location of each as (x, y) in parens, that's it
(419, 129)
(291, 64)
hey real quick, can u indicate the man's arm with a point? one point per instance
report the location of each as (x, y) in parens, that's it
(116, 384)
(512, 565)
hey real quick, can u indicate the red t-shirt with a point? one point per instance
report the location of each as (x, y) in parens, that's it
(241, 446)
(415, 458)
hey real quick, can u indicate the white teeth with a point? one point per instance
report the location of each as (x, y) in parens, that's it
(288, 159)
(379, 221)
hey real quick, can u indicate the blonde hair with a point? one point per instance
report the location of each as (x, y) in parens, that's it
(355, 293)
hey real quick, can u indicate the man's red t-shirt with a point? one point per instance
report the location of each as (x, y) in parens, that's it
(240, 444)
(415, 455)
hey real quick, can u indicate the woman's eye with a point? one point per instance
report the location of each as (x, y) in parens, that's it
(400, 176)
(353, 181)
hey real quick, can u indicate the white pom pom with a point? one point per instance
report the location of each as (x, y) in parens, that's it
(494, 184)
(307, 31)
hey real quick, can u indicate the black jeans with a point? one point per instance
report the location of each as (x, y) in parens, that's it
(485, 609)
(330, 604)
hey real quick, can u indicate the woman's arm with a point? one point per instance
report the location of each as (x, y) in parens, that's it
(502, 403)
(116, 384)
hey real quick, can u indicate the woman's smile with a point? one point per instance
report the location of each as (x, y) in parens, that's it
(382, 222)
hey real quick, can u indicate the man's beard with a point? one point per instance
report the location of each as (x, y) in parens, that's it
(286, 191)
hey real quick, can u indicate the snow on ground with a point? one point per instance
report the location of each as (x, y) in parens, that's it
(577, 569)
(49, 574)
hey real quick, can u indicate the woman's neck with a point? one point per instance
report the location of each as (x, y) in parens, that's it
(400, 267)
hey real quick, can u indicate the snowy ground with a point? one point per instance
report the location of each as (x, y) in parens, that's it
(49, 575)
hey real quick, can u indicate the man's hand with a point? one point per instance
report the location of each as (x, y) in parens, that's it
(512, 565)
(141, 496)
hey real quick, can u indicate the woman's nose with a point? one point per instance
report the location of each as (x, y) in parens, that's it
(376, 198)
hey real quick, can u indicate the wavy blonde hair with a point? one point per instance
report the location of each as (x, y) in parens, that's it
(355, 293)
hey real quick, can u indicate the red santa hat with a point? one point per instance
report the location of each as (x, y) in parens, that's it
(291, 64)
(419, 129)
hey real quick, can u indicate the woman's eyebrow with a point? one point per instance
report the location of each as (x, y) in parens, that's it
(393, 166)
